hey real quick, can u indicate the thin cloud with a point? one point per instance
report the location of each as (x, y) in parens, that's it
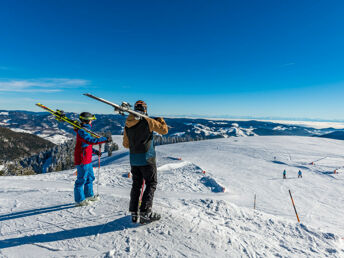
(4, 68)
(47, 85)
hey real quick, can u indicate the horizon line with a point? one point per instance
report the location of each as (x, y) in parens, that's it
(214, 117)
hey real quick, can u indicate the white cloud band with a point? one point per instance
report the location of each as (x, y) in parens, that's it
(41, 85)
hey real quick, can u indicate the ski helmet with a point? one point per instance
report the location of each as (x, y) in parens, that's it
(140, 106)
(86, 117)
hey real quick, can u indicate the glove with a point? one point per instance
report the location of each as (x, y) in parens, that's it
(159, 119)
(98, 153)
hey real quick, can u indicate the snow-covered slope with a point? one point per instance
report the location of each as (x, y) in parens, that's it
(38, 218)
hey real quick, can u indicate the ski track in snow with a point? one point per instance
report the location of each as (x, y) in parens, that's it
(38, 217)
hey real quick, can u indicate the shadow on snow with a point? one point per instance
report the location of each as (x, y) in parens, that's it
(289, 165)
(212, 184)
(116, 225)
(28, 213)
(283, 178)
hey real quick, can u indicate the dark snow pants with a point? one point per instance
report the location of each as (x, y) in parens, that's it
(149, 174)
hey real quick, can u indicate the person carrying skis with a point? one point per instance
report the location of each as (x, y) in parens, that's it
(284, 174)
(299, 174)
(138, 137)
(83, 187)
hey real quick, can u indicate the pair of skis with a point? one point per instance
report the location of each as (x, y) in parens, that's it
(61, 116)
(125, 107)
(120, 109)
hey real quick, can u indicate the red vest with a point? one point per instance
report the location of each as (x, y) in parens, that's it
(82, 156)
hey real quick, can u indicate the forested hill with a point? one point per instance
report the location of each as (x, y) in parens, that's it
(15, 145)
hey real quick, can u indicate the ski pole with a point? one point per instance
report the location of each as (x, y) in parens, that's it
(100, 149)
(297, 216)
(143, 186)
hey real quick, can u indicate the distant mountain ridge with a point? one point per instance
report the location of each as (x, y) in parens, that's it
(24, 153)
(337, 135)
(45, 125)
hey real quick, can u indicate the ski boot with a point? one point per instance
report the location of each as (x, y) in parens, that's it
(82, 203)
(148, 217)
(93, 198)
(135, 217)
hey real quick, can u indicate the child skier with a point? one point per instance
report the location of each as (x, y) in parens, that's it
(284, 174)
(138, 137)
(83, 188)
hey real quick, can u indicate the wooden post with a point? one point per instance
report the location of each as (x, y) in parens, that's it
(254, 206)
(291, 197)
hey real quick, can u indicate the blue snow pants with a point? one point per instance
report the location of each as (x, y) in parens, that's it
(83, 186)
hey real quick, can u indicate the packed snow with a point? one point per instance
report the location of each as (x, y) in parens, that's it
(205, 195)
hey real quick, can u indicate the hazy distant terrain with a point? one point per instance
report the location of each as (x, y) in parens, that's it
(45, 126)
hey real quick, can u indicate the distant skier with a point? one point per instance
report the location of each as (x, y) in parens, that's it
(299, 174)
(284, 174)
(83, 188)
(138, 137)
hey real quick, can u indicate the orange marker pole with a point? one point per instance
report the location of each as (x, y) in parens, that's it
(291, 197)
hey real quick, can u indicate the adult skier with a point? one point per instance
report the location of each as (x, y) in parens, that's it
(83, 187)
(284, 174)
(138, 137)
(299, 174)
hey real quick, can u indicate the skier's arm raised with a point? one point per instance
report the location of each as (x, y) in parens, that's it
(87, 138)
(157, 125)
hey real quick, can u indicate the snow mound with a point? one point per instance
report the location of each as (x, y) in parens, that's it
(186, 177)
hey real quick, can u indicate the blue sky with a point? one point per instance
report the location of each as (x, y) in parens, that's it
(214, 58)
